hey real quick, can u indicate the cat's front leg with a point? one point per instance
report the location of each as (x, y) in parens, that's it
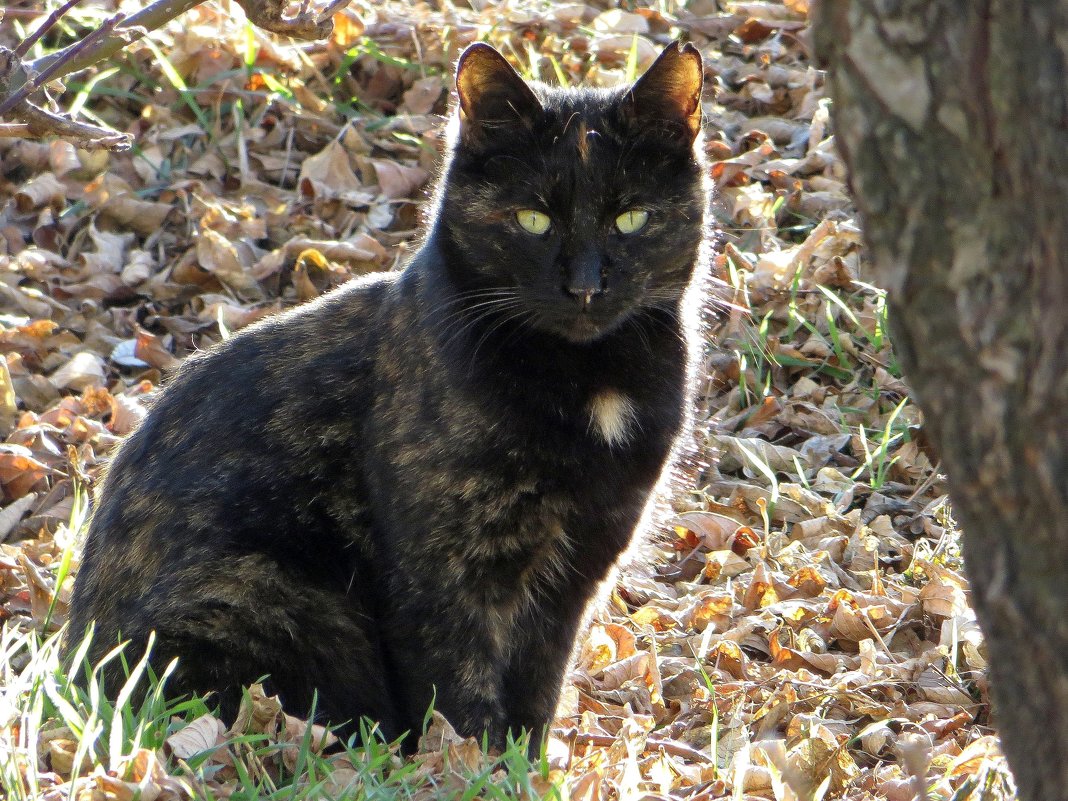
(453, 659)
(545, 633)
(537, 667)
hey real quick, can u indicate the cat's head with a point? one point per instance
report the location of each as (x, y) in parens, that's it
(574, 209)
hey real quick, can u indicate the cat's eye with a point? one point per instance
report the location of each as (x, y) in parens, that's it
(632, 220)
(533, 222)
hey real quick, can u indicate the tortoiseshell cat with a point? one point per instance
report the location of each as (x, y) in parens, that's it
(412, 487)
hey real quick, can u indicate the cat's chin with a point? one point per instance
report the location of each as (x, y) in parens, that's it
(584, 329)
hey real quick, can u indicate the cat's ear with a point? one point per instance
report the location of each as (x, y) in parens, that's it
(670, 91)
(491, 92)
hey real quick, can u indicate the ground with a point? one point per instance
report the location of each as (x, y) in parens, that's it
(798, 625)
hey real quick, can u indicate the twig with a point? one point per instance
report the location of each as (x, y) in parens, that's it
(36, 81)
(14, 129)
(90, 137)
(266, 14)
(45, 26)
(327, 13)
(114, 34)
(604, 741)
(135, 26)
(19, 13)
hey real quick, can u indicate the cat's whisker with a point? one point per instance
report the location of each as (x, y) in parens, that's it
(459, 306)
(635, 322)
(476, 294)
(465, 310)
(524, 325)
(486, 310)
(674, 328)
(489, 332)
(467, 297)
(460, 332)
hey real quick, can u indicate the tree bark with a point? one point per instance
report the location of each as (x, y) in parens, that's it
(952, 119)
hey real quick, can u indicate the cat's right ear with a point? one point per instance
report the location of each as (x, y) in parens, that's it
(491, 93)
(668, 95)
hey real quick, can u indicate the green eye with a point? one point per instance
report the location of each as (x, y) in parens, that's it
(533, 222)
(632, 220)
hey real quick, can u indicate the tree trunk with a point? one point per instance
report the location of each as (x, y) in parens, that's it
(952, 118)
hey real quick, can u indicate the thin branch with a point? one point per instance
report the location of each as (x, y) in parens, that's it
(44, 27)
(328, 13)
(19, 130)
(651, 744)
(41, 123)
(266, 14)
(36, 81)
(19, 13)
(133, 28)
(113, 35)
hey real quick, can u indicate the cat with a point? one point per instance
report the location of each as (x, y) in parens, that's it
(409, 490)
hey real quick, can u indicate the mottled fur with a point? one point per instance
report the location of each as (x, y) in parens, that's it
(413, 486)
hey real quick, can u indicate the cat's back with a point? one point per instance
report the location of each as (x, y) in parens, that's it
(238, 454)
(274, 389)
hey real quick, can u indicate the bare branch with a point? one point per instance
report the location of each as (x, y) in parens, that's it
(133, 28)
(36, 81)
(20, 79)
(18, 130)
(18, 13)
(266, 14)
(328, 12)
(39, 123)
(45, 26)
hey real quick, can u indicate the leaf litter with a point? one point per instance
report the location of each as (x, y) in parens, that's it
(797, 628)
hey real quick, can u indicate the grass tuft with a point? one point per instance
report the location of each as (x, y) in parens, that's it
(63, 738)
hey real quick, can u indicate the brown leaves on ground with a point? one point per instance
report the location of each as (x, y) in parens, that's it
(800, 628)
(261, 728)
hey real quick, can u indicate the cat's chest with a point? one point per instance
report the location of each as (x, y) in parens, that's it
(510, 489)
(534, 494)
(499, 466)
(613, 417)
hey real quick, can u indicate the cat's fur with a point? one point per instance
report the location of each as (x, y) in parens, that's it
(412, 487)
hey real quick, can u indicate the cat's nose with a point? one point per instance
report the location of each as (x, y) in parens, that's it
(584, 278)
(585, 294)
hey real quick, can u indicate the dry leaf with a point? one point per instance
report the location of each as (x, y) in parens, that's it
(206, 733)
(84, 369)
(331, 170)
(397, 180)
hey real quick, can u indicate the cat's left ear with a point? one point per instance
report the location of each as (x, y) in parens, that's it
(491, 92)
(670, 91)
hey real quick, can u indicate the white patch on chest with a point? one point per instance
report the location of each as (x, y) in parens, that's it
(612, 416)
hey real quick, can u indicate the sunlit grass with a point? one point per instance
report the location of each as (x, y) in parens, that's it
(59, 734)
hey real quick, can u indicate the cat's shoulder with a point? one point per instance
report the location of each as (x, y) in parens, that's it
(315, 353)
(343, 311)
(337, 320)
